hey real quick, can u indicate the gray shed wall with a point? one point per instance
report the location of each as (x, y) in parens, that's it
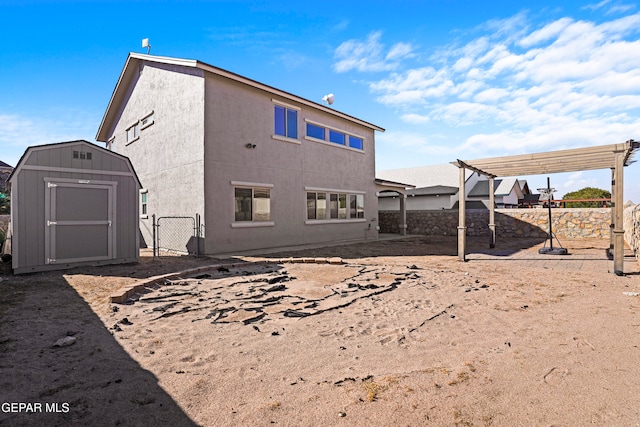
(28, 210)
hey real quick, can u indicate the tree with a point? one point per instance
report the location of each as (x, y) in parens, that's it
(5, 204)
(587, 193)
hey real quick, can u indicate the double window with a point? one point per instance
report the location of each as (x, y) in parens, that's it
(334, 206)
(316, 131)
(252, 203)
(286, 121)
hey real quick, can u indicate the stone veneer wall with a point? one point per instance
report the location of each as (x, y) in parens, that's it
(567, 223)
(632, 228)
(4, 222)
(4, 226)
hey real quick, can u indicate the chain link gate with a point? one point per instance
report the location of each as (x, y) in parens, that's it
(176, 235)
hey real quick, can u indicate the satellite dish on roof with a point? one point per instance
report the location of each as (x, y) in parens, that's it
(145, 43)
(328, 98)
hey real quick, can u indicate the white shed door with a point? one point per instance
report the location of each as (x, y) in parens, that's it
(79, 222)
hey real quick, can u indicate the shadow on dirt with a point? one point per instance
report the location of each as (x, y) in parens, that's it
(92, 381)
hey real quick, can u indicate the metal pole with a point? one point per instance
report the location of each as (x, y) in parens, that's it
(197, 234)
(549, 205)
(462, 226)
(492, 214)
(153, 226)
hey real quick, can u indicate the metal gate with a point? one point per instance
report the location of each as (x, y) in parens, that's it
(176, 235)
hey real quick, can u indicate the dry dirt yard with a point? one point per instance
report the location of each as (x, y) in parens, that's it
(401, 333)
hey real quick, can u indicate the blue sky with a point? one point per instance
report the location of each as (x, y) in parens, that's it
(447, 79)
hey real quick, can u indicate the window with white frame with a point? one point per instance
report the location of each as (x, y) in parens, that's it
(252, 204)
(325, 205)
(316, 131)
(133, 132)
(143, 204)
(146, 121)
(285, 121)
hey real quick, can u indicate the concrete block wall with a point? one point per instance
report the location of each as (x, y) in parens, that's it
(567, 223)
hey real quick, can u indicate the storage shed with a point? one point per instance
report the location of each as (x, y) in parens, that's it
(73, 203)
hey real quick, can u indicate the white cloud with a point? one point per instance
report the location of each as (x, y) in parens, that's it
(399, 51)
(561, 84)
(417, 141)
(415, 119)
(368, 55)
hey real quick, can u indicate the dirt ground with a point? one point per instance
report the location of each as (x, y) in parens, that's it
(401, 333)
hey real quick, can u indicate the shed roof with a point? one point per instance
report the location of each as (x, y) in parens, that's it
(134, 60)
(29, 150)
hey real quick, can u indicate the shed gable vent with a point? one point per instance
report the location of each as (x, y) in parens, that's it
(81, 155)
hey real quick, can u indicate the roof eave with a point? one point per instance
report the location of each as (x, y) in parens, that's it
(125, 75)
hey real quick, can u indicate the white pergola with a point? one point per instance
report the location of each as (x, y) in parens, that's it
(614, 157)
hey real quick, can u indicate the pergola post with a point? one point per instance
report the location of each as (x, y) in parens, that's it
(462, 228)
(403, 214)
(618, 229)
(613, 210)
(492, 214)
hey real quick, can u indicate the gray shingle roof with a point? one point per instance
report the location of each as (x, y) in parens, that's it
(446, 175)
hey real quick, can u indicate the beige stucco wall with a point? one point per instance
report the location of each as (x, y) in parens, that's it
(237, 115)
(168, 156)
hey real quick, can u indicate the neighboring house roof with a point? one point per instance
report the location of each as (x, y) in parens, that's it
(472, 204)
(4, 165)
(439, 190)
(446, 175)
(433, 191)
(131, 68)
(392, 183)
(501, 187)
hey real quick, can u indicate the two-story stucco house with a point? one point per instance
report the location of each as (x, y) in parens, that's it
(262, 167)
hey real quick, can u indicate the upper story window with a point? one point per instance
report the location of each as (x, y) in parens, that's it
(133, 132)
(336, 137)
(146, 121)
(286, 121)
(317, 131)
(355, 142)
